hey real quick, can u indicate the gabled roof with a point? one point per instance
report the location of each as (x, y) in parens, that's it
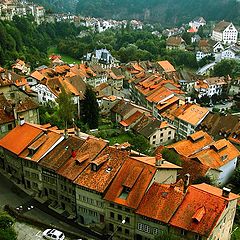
(159, 95)
(221, 26)
(201, 209)
(219, 154)
(41, 146)
(193, 114)
(192, 144)
(20, 137)
(108, 164)
(61, 153)
(167, 66)
(174, 41)
(122, 108)
(26, 104)
(161, 201)
(75, 165)
(132, 119)
(150, 128)
(37, 75)
(131, 183)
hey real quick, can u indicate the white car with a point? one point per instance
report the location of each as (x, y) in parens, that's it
(53, 234)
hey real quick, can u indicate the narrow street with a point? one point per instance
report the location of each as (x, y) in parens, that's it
(14, 197)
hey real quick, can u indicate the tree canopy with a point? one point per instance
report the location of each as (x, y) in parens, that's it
(6, 230)
(89, 109)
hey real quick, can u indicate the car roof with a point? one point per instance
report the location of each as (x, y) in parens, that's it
(56, 232)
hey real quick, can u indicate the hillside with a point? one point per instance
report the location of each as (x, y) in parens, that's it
(167, 12)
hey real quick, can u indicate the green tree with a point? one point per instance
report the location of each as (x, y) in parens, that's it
(90, 109)
(6, 227)
(66, 107)
(140, 143)
(6, 221)
(224, 68)
(171, 156)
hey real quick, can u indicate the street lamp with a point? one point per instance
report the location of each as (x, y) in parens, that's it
(122, 222)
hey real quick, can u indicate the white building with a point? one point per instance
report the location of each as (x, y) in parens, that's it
(210, 86)
(197, 22)
(225, 32)
(231, 52)
(44, 94)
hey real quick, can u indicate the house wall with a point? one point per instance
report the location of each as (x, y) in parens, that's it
(146, 229)
(32, 176)
(227, 171)
(230, 35)
(114, 215)
(5, 128)
(162, 136)
(44, 94)
(67, 195)
(183, 234)
(90, 206)
(31, 116)
(223, 228)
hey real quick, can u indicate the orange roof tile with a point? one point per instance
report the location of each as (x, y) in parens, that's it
(130, 197)
(24, 135)
(192, 144)
(41, 146)
(193, 114)
(133, 118)
(37, 75)
(197, 197)
(100, 179)
(216, 157)
(84, 155)
(167, 66)
(160, 202)
(160, 95)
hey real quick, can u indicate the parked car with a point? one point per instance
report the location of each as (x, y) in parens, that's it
(53, 234)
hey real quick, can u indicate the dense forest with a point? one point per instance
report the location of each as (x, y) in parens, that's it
(166, 12)
(22, 38)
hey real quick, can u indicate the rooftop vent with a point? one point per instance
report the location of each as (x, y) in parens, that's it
(226, 192)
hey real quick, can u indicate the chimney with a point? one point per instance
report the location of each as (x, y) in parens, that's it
(226, 192)
(22, 121)
(186, 181)
(159, 159)
(65, 134)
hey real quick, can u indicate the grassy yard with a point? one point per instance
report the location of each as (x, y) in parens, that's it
(124, 137)
(65, 58)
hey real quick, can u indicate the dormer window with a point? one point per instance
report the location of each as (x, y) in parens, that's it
(94, 167)
(125, 192)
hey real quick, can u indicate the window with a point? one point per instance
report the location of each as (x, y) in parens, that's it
(170, 132)
(127, 231)
(161, 135)
(111, 227)
(154, 137)
(154, 142)
(111, 205)
(197, 237)
(3, 129)
(112, 215)
(119, 217)
(119, 229)
(155, 231)
(10, 127)
(127, 219)
(183, 232)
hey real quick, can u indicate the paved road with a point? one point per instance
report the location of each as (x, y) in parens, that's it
(27, 232)
(14, 197)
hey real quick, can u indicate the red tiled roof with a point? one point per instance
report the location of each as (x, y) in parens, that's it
(84, 155)
(100, 180)
(197, 197)
(195, 142)
(216, 157)
(167, 66)
(133, 118)
(160, 202)
(20, 137)
(139, 185)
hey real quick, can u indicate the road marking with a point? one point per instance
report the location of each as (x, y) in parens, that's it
(39, 234)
